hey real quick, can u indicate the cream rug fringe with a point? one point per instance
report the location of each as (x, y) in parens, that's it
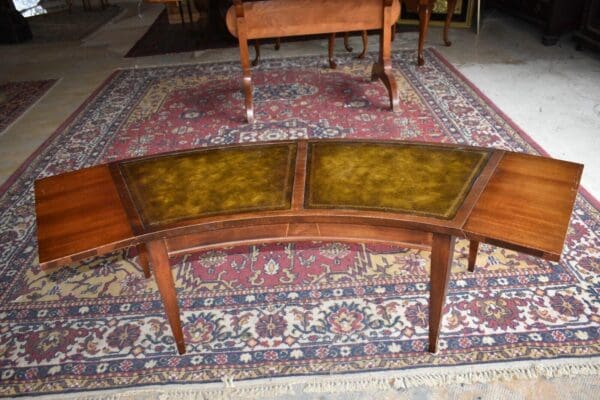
(228, 389)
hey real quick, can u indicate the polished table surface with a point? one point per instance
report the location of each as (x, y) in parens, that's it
(414, 194)
(525, 204)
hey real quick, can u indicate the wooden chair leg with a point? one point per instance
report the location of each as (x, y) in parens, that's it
(256, 53)
(473, 248)
(180, 6)
(383, 68)
(424, 15)
(330, 47)
(159, 258)
(143, 259)
(189, 10)
(441, 261)
(346, 43)
(365, 42)
(450, 11)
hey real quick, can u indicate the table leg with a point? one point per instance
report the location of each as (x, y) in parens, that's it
(449, 12)
(424, 15)
(189, 9)
(473, 248)
(330, 47)
(143, 259)
(365, 41)
(442, 249)
(277, 43)
(245, 59)
(159, 258)
(256, 53)
(180, 6)
(383, 68)
(346, 43)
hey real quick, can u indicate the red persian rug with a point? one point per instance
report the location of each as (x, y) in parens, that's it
(294, 311)
(17, 97)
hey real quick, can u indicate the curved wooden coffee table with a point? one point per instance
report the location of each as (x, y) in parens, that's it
(414, 194)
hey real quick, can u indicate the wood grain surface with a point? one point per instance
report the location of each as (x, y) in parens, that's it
(526, 205)
(79, 214)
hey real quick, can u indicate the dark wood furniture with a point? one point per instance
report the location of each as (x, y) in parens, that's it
(424, 8)
(282, 18)
(589, 30)
(415, 194)
(554, 16)
(13, 26)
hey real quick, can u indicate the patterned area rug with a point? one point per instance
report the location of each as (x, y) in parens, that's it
(17, 97)
(71, 25)
(282, 310)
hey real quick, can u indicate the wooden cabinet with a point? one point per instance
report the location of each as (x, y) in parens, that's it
(589, 31)
(554, 16)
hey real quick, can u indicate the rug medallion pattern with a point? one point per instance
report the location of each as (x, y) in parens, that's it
(279, 309)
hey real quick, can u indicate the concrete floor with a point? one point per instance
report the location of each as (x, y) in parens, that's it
(553, 93)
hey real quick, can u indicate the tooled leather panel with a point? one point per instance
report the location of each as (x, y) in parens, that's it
(408, 178)
(171, 188)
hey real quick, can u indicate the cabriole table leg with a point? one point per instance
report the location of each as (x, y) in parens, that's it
(383, 68)
(166, 286)
(424, 15)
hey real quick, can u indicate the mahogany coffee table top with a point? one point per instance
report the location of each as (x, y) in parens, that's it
(515, 200)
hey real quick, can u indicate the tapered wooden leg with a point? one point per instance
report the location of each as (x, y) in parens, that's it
(143, 259)
(346, 44)
(473, 248)
(424, 15)
(442, 248)
(256, 53)
(277, 43)
(450, 11)
(330, 47)
(159, 258)
(365, 42)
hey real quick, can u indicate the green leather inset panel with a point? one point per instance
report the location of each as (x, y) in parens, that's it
(170, 188)
(405, 178)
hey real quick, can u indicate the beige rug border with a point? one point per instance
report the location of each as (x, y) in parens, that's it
(350, 382)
